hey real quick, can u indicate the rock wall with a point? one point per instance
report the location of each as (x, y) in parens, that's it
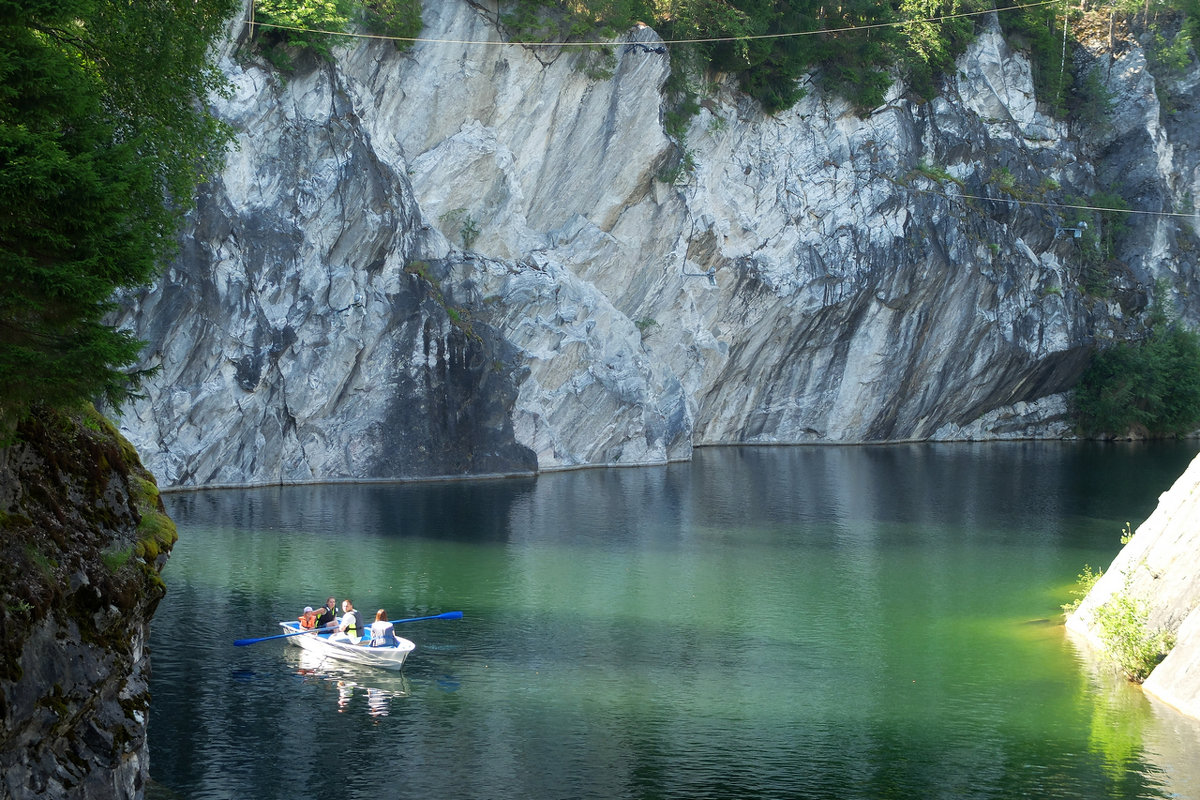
(476, 257)
(1157, 568)
(83, 537)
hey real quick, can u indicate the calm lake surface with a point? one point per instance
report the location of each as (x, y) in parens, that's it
(868, 622)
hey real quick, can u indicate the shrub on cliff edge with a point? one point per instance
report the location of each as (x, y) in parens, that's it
(1135, 648)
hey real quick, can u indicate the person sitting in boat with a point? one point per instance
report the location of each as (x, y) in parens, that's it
(383, 633)
(308, 620)
(328, 615)
(350, 629)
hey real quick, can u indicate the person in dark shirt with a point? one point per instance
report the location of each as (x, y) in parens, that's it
(328, 617)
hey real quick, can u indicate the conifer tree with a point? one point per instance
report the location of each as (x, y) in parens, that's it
(103, 137)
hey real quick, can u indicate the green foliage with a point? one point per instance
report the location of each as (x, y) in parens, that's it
(115, 559)
(1004, 179)
(1090, 101)
(1150, 387)
(103, 136)
(1097, 245)
(933, 173)
(19, 607)
(1172, 55)
(466, 225)
(420, 269)
(564, 20)
(856, 64)
(598, 63)
(303, 24)
(646, 324)
(1123, 629)
(1112, 224)
(1038, 31)
(317, 25)
(1084, 582)
(399, 18)
(682, 162)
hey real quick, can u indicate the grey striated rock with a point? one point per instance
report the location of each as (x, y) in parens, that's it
(476, 257)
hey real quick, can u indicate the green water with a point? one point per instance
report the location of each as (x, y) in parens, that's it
(760, 623)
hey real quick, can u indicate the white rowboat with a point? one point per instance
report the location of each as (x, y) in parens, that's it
(384, 656)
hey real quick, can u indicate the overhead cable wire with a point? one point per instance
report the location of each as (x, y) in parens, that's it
(1011, 200)
(1043, 204)
(258, 23)
(600, 43)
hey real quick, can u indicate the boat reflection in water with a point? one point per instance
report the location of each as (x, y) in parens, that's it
(377, 686)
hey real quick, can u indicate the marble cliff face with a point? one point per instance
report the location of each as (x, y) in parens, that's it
(485, 258)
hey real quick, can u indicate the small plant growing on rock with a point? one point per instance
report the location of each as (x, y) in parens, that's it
(468, 226)
(1084, 582)
(420, 269)
(646, 324)
(933, 173)
(1006, 182)
(115, 559)
(1124, 630)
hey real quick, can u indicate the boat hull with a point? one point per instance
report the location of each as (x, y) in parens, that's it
(318, 643)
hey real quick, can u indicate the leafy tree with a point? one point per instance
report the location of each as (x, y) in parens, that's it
(770, 44)
(103, 137)
(303, 24)
(1038, 30)
(401, 18)
(1151, 386)
(315, 25)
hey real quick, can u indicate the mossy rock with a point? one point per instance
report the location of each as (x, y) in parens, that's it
(81, 505)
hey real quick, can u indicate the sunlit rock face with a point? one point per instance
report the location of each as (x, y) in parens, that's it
(474, 257)
(1156, 570)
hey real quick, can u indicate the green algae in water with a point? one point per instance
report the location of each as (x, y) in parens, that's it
(780, 622)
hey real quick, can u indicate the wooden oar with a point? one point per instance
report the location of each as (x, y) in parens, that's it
(244, 642)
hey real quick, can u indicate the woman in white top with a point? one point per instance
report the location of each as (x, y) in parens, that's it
(382, 632)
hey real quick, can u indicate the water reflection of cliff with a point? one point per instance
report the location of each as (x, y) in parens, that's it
(457, 510)
(354, 684)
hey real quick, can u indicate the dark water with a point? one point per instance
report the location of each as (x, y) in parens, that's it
(761, 623)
